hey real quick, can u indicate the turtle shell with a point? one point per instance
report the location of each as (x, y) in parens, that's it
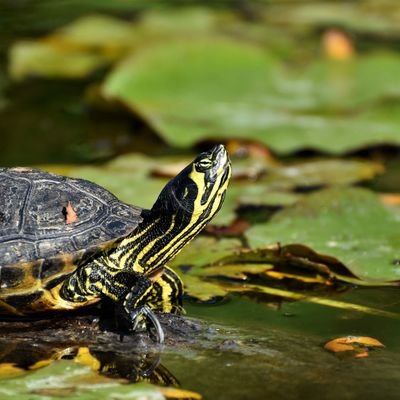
(49, 225)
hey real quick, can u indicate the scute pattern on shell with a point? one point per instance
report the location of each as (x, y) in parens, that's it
(32, 216)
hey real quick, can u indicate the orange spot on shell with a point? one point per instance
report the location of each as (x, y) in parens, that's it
(70, 214)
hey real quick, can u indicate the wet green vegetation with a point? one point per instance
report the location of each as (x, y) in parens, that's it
(305, 96)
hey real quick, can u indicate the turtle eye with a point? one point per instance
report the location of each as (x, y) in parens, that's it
(204, 164)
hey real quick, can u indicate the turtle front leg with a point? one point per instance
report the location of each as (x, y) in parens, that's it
(134, 306)
(128, 289)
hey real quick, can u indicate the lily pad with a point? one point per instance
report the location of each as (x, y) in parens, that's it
(340, 86)
(321, 173)
(29, 58)
(281, 185)
(365, 16)
(94, 41)
(189, 89)
(349, 224)
(204, 250)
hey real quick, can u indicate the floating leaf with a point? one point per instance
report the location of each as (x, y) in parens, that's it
(28, 58)
(73, 51)
(281, 185)
(201, 289)
(373, 18)
(358, 344)
(338, 86)
(321, 173)
(204, 250)
(104, 34)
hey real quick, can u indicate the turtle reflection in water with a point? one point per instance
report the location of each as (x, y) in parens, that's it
(20, 358)
(66, 243)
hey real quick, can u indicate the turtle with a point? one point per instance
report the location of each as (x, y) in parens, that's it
(67, 243)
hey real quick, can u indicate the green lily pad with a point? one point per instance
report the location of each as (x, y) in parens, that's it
(349, 224)
(321, 173)
(341, 86)
(204, 250)
(73, 51)
(278, 185)
(94, 41)
(365, 16)
(29, 58)
(104, 33)
(334, 134)
(201, 289)
(192, 88)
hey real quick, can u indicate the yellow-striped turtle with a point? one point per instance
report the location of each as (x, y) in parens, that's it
(67, 243)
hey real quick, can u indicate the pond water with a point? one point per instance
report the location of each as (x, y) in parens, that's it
(248, 350)
(283, 356)
(258, 347)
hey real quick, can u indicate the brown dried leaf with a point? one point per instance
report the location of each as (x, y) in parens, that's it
(236, 228)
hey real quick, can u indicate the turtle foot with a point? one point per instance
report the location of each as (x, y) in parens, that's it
(144, 312)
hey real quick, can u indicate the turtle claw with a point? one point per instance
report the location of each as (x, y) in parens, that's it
(149, 314)
(152, 317)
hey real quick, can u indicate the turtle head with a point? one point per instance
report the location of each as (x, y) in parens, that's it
(198, 191)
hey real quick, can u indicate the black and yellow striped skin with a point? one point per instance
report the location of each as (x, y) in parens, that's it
(133, 273)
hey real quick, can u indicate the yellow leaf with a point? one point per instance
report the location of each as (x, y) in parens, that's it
(175, 393)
